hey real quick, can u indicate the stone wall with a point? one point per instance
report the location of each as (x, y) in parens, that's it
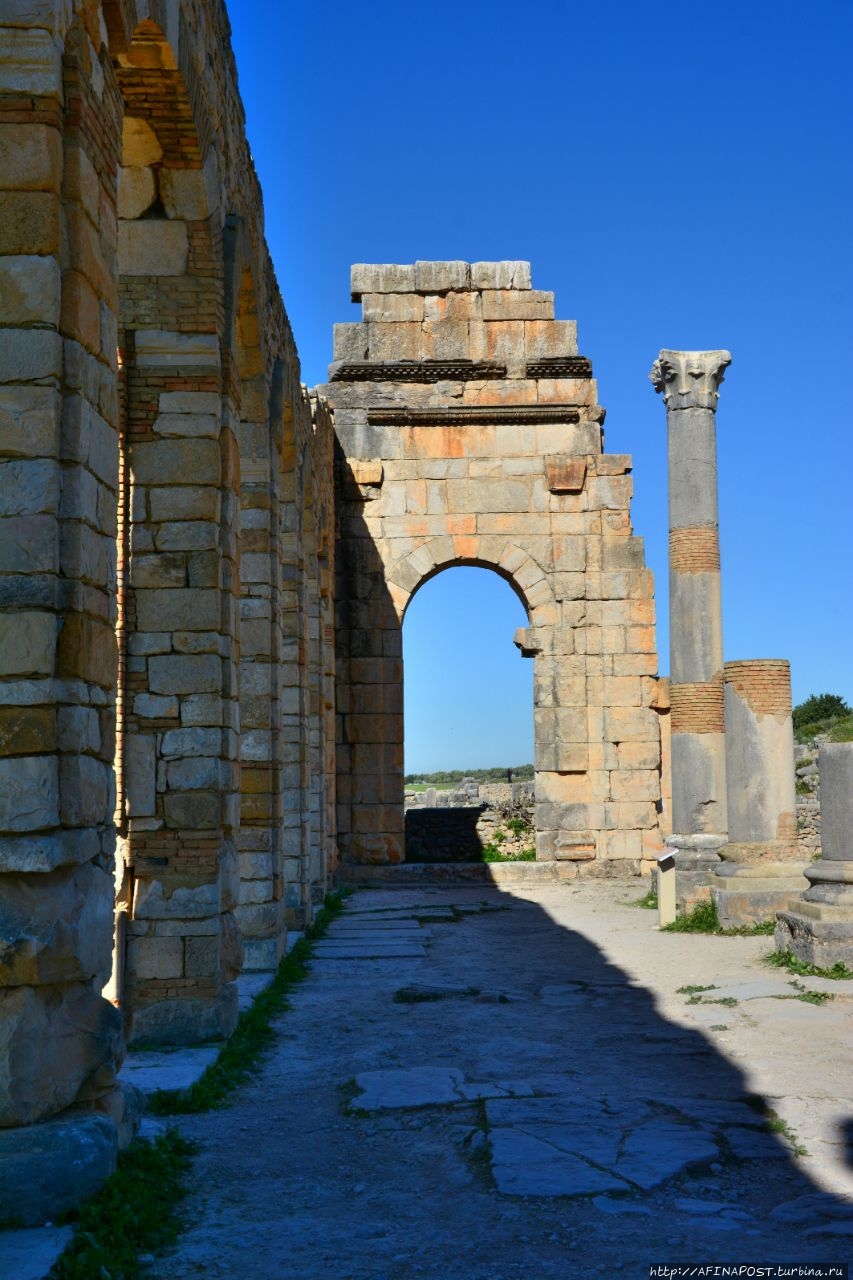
(166, 553)
(470, 433)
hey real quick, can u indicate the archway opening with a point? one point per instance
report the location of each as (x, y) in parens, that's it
(468, 721)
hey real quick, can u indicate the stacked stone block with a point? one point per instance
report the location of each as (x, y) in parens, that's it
(470, 433)
(761, 867)
(124, 172)
(60, 1041)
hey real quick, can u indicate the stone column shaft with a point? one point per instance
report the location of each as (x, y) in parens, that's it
(819, 928)
(688, 381)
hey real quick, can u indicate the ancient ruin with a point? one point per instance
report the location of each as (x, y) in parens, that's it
(204, 567)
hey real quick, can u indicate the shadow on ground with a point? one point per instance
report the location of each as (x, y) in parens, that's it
(467, 1087)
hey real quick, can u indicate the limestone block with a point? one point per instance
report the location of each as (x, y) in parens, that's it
(153, 247)
(187, 608)
(544, 339)
(154, 900)
(194, 774)
(203, 402)
(197, 673)
(29, 289)
(517, 304)
(48, 1169)
(27, 642)
(87, 650)
(155, 957)
(350, 342)
(380, 278)
(28, 488)
(180, 502)
(500, 275)
(46, 852)
(29, 793)
(158, 461)
(385, 308)
(137, 189)
(139, 143)
(79, 729)
(29, 223)
(168, 569)
(187, 424)
(438, 277)
(191, 742)
(30, 355)
(27, 730)
(52, 1040)
(86, 791)
(565, 474)
(30, 62)
(183, 194)
(89, 439)
(56, 927)
(192, 811)
(445, 340)
(168, 347)
(30, 157)
(394, 341)
(185, 1021)
(140, 773)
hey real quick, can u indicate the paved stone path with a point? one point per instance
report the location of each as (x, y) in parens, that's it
(486, 1085)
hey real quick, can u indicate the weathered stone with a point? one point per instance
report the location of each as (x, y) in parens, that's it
(139, 142)
(54, 1039)
(56, 927)
(29, 290)
(192, 811)
(183, 194)
(200, 673)
(30, 63)
(29, 793)
(27, 643)
(51, 1168)
(86, 791)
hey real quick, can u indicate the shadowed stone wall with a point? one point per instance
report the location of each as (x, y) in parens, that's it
(470, 433)
(166, 554)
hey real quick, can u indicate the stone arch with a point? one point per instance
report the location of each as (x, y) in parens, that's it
(516, 566)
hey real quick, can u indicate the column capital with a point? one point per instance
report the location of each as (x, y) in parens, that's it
(689, 379)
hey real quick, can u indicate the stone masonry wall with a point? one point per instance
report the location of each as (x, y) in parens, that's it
(166, 553)
(470, 433)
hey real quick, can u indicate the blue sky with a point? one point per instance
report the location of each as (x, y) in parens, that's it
(680, 176)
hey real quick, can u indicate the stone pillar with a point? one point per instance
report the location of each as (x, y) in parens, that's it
(689, 381)
(819, 928)
(762, 867)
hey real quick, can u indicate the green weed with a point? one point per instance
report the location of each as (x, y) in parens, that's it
(135, 1212)
(240, 1056)
(777, 1125)
(693, 987)
(801, 969)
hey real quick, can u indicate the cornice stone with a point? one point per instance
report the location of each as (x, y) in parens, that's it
(417, 371)
(559, 367)
(689, 379)
(468, 415)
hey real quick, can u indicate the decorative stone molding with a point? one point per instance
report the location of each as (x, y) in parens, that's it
(478, 414)
(417, 371)
(560, 367)
(689, 379)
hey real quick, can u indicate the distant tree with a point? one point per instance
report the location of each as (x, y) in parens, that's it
(820, 706)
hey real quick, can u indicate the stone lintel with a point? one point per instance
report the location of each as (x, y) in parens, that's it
(689, 379)
(470, 415)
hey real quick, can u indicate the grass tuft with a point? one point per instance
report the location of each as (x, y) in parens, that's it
(134, 1212)
(240, 1056)
(704, 919)
(491, 853)
(649, 900)
(801, 969)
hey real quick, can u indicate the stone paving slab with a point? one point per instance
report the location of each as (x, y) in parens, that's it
(636, 1140)
(150, 1070)
(331, 950)
(29, 1254)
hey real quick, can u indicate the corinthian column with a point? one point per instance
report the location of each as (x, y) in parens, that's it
(688, 381)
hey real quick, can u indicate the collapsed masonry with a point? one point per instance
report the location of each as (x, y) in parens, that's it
(204, 570)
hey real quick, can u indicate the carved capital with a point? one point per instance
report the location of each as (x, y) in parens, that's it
(689, 379)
